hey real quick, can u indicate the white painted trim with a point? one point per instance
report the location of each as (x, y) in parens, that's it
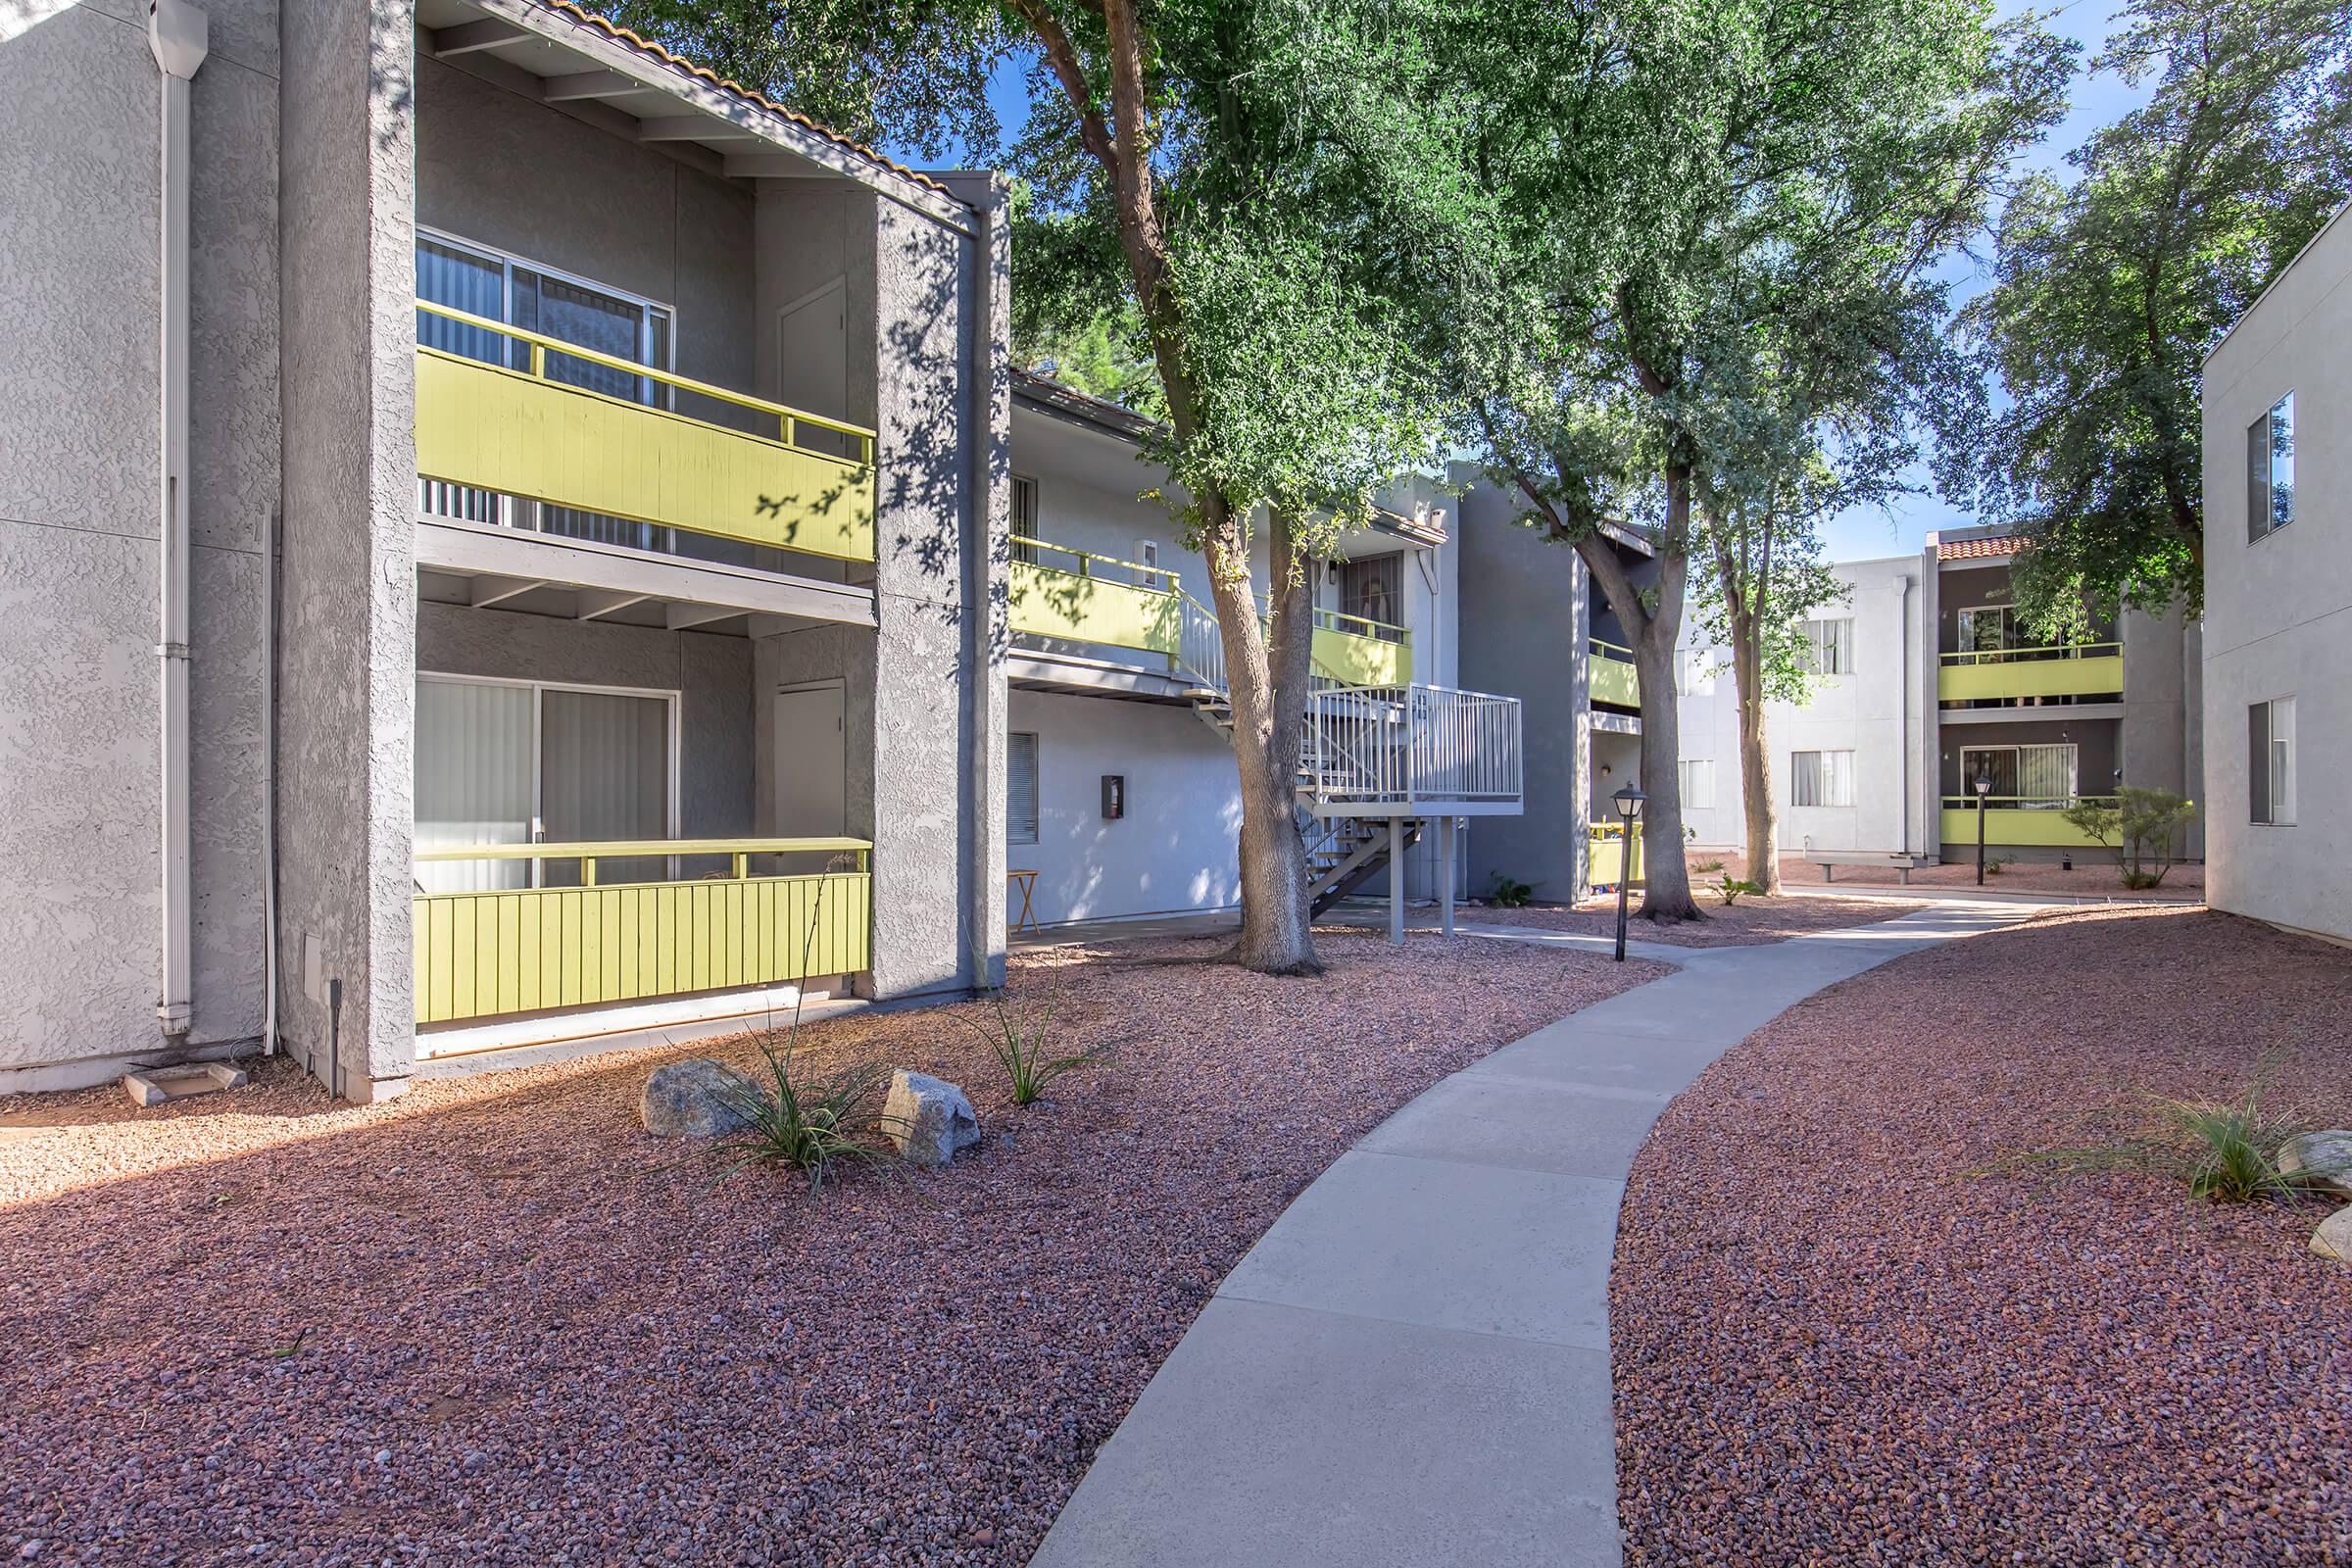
(493, 550)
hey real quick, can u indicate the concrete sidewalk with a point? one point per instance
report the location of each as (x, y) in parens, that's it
(1412, 1366)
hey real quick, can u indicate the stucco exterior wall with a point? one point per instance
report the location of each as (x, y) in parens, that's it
(1177, 848)
(80, 532)
(349, 579)
(711, 675)
(2278, 608)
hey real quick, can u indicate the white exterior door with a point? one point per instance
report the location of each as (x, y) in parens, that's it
(813, 761)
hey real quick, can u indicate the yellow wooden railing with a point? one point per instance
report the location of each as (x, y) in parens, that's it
(1078, 596)
(1605, 857)
(1612, 676)
(511, 429)
(2017, 821)
(528, 950)
(2070, 669)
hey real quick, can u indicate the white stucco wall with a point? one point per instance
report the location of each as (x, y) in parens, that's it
(1869, 712)
(1174, 850)
(2279, 610)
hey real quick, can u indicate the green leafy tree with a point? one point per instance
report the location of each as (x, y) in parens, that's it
(1198, 162)
(2110, 291)
(1663, 184)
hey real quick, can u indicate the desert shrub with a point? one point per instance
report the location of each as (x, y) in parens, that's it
(2140, 828)
(1021, 1040)
(1511, 895)
(1732, 887)
(2225, 1151)
(1708, 867)
(805, 1126)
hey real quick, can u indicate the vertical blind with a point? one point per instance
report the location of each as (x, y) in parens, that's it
(474, 780)
(1020, 787)
(2270, 761)
(603, 773)
(1697, 782)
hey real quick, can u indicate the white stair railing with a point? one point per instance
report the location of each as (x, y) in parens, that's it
(1404, 745)
(1199, 648)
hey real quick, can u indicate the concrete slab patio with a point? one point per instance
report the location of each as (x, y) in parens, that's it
(1412, 1366)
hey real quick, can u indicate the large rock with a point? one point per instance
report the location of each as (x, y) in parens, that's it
(928, 1119)
(2334, 1238)
(2318, 1160)
(698, 1099)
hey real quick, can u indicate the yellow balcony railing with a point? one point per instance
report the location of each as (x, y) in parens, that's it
(2015, 823)
(1357, 651)
(1077, 596)
(513, 430)
(1604, 857)
(1612, 677)
(525, 950)
(2077, 670)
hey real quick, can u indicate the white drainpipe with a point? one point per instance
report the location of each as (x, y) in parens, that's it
(176, 31)
(1902, 733)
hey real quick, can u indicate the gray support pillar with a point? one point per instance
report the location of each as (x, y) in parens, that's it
(1445, 828)
(1396, 879)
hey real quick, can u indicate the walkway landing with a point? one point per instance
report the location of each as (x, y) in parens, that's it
(1412, 1366)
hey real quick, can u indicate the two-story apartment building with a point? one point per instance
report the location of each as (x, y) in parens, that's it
(2279, 599)
(1121, 792)
(507, 552)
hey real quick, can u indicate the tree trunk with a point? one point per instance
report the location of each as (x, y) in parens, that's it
(1266, 680)
(1665, 870)
(1763, 848)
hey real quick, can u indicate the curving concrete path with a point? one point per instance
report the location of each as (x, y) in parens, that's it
(1412, 1366)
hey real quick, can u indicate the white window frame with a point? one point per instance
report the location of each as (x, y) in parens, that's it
(671, 699)
(1963, 629)
(2278, 763)
(1827, 774)
(1147, 556)
(1813, 638)
(1689, 770)
(2261, 518)
(1694, 671)
(1037, 800)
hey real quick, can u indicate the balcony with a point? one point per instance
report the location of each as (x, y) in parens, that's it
(756, 472)
(1610, 670)
(1076, 596)
(500, 951)
(1390, 751)
(2078, 669)
(2016, 821)
(1605, 855)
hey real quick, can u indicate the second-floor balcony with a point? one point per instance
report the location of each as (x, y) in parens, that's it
(1075, 596)
(1610, 671)
(507, 414)
(2071, 669)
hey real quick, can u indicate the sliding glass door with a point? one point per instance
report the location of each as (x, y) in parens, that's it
(2030, 777)
(517, 762)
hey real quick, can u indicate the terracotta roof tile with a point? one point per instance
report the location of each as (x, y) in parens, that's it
(1974, 548)
(614, 31)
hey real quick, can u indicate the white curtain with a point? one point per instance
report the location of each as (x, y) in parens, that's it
(474, 780)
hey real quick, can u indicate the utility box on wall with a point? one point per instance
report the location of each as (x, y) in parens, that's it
(1114, 796)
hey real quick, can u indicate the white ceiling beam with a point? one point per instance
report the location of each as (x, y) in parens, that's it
(487, 591)
(679, 617)
(575, 86)
(472, 37)
(594, 604)
(692, 127)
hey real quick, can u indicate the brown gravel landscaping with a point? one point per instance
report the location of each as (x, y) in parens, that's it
(2094, 876)
(1851, 1326)
(1750, 921)
(492, 1322)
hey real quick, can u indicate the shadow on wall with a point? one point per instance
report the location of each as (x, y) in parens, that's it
(1084, 896)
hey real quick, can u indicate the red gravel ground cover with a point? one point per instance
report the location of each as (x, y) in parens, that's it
(1834, 1344)
(492, 1322)
(2094, 876)
(1750, 921)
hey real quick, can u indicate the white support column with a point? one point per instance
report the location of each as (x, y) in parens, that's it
(1445, 831)
(1396, 880)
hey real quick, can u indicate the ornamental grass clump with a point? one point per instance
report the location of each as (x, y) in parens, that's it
(1021, 1042)
(2228, 1149)
(805, 1126)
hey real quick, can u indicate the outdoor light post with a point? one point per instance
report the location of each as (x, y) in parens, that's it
(1629, 807)
(1983, 789)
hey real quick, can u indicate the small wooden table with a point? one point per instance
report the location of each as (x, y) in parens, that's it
(1026, 881)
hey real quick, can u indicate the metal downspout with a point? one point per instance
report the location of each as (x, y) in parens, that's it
(177, 33)
(1903, 734)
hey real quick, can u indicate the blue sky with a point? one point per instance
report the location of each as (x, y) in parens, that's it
(2095, 101)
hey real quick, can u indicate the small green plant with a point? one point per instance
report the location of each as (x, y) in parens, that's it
(1732, 887)
(802, 1126)
(1511, 895)
(1021, 1042)
(2139, 827)
(2228, 1147)
(1708, 867)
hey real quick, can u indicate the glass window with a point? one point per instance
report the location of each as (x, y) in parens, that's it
(2270, 761)
(1987, 629)
(1694, 671)
(2270, 469)
(2040, 777)
(1821, 778)
(1021, 788)
(1697, 775)
(1833, 645)
(1373, 588)
(1024, 519)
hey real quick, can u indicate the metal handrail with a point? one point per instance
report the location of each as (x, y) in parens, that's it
(2025, 802)
(1087, 560)
(590, 851)
(541, 345)
(1403, 745)
(1330, 620)
(1610, 650)
(2009, 656)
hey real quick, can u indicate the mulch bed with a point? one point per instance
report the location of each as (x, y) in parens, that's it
(492, 1322)
(1851, 1326)
(1746, 923)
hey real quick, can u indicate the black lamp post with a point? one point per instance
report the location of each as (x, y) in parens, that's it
(1983, 789)
(1629, 808)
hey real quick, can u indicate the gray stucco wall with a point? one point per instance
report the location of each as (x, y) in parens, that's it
(349, 577)
(1523, 606)
(80, 485)
(711, 674)
(523, 177)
